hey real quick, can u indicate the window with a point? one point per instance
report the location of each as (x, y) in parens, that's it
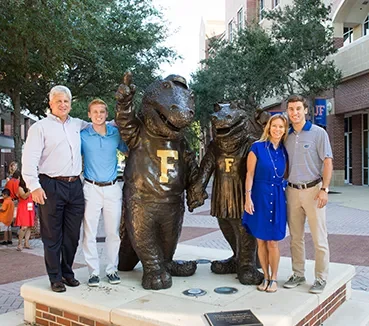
(348, 150)
(240, 19)
(261, 9)
(275, 3)
(230, 31)
(347, 35)
(366, 26)
(365, 149)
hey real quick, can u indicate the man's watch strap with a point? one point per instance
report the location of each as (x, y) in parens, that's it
(325, 189)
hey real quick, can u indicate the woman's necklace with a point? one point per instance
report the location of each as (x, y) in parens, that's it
(275, 168)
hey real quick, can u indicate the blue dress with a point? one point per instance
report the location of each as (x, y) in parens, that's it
(268, 193)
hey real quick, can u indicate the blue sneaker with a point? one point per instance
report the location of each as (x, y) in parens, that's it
(94, 280)
(113, 278)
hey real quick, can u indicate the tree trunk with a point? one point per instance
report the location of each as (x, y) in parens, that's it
(17, 127)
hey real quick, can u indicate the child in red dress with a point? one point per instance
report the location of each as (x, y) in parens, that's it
(25, 215)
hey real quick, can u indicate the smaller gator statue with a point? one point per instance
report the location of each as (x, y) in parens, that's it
(160, 167)
(233, 134)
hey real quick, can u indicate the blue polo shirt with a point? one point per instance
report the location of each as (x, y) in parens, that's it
(100, 153)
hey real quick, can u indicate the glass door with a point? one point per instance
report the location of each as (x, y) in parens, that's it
(348, 150)
(365, 149)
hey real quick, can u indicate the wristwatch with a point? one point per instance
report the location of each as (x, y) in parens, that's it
(325, 189)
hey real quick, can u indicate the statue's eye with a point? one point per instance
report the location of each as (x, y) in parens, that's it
(167, 85)
(217, 107)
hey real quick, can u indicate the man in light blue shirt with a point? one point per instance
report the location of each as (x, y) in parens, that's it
(99, 144)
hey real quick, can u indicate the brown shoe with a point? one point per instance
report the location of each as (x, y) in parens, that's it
(70, 281)
(58, 287)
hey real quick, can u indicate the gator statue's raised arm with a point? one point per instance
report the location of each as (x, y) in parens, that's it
(160, 167)
(226, 158)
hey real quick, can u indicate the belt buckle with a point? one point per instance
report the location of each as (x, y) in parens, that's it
(70, 179)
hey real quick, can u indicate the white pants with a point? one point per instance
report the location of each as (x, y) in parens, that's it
(108, 201)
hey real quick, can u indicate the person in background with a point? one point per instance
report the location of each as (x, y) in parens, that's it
(310, 172)
(25, 218)
(13, 185)
(51, 165)
(100, 142)
(265, 213)
(6, 217)
(13, 166)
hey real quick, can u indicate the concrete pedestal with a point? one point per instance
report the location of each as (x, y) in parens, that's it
(129, 304)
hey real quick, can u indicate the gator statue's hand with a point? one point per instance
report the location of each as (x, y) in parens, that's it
(196, 197)
(126, 91)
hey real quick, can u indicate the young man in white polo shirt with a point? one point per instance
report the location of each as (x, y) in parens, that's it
(99, 143)
(310, 172)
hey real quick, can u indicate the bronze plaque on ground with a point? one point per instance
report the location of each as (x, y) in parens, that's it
(228, 318)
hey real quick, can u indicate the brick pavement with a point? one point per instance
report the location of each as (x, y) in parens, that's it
(347, 220)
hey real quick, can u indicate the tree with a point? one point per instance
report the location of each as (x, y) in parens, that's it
(84, 44)
(304, 37)
(244, 69)
(293, 57)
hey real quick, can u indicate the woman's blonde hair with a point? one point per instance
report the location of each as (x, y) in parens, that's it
(12, 165)
(266, 134)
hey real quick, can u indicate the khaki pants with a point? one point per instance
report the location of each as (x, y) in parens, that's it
(301, 204)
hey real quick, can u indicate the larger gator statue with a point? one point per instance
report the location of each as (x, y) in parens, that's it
(233, 134)
(160, 167)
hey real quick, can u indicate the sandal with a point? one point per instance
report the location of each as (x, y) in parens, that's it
(271, 288)
(263, 285)
(19, 248)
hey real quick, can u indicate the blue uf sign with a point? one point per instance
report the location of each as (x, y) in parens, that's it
(320, 112)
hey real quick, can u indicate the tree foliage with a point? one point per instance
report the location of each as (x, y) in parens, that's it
(304, 38)
(86, 45)
(294, 56)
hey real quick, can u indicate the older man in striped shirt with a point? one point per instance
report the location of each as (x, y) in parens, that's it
(51, 165)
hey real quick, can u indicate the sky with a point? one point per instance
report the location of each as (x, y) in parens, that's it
(184, 17)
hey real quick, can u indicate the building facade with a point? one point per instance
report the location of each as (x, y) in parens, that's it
(7, 140)
(346, 107)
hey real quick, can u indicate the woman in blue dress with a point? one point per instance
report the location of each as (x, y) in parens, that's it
(265, 203)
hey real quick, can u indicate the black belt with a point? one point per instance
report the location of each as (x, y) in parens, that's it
(305, 185)
(101, 184)
(66, 179)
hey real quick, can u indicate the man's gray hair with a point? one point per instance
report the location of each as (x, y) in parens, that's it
(60, 89)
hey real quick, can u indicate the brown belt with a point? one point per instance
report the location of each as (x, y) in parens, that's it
(66, 179)
(305, 185)
(101, 184)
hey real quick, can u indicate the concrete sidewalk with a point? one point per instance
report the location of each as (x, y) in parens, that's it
(348, 227)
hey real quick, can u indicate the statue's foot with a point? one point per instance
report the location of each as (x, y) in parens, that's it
(156, 280)
(226, 266)
(181, 267)
(249, 275)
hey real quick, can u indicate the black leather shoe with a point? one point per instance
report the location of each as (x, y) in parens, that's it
(58, 287)
(70, 281)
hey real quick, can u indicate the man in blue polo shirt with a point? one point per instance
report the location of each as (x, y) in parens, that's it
(99, 144)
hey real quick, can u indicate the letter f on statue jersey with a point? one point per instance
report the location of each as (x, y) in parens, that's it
(165, 166)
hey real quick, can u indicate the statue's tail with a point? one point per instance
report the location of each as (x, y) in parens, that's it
(128, 258)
